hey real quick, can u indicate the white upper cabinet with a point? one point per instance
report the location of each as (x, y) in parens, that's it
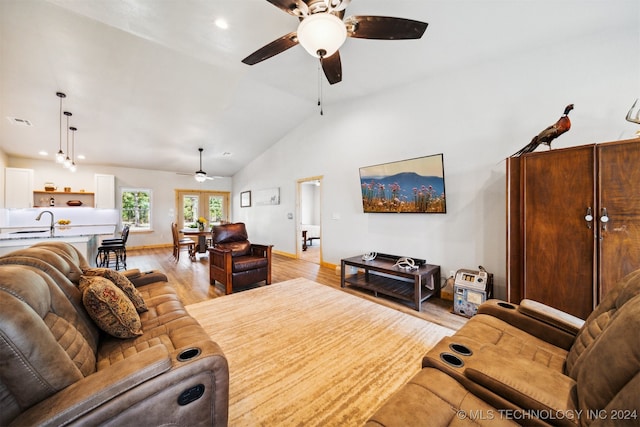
(105, 197)
(18, 188)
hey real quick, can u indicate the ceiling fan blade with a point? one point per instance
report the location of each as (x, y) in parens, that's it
(272, 49)
(292, 7)
(384, 28)
(332, 67)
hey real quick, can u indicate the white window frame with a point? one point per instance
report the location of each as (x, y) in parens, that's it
(132, 227)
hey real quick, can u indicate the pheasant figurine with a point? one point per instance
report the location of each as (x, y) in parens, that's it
(549, 134)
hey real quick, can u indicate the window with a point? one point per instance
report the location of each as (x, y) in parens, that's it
(136, 209)
(213, 206)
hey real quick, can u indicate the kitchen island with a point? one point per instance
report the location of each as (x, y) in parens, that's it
(84, 238)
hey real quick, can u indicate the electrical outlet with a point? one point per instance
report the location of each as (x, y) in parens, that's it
(452, 273)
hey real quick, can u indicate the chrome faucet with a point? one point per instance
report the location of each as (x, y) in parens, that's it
(40, 216)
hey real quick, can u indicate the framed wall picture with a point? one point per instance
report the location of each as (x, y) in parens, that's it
(269, 196)
(245, 199)
(407, 186)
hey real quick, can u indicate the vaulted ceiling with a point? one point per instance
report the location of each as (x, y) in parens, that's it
(150, 81)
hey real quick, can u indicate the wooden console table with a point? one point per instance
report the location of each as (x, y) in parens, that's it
(381, 276)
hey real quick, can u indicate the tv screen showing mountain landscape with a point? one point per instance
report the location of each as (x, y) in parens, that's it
(407, 186)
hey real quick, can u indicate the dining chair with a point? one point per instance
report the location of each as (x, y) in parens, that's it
(179, 243)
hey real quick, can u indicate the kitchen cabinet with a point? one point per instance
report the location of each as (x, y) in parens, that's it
(105, 197)
(573, 223)
(18, 187)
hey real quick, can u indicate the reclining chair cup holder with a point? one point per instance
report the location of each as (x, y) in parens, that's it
(507, 305)
(461, 349)
(451, 360)
(189, 354)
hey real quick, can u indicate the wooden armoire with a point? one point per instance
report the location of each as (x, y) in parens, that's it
(573, 223)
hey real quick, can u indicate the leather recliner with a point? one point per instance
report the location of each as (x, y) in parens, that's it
(58, 367)
(234, 260)
(534, 365)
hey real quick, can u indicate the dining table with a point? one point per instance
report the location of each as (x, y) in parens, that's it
(201, 244)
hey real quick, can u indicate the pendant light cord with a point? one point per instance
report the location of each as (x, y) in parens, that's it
(60, 145)
(68, 136)
(60, 154)
(68, 114)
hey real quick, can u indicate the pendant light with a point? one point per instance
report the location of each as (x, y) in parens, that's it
(73, 166)
(60, 154)
(67, 161)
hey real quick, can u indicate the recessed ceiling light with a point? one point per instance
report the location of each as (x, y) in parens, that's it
(221, 23)
(43, 153)
(19, 122)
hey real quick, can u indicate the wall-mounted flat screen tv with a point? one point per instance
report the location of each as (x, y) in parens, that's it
(407, 186)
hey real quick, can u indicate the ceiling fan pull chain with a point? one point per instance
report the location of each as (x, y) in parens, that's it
(320, 92)
(321, 95)
(319, 83)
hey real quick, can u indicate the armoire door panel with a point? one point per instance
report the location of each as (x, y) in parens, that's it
(559, 247)
(619, 193)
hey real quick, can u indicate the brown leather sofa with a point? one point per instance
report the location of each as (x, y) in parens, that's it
(530, 364)
(57, 367)
(234, 260)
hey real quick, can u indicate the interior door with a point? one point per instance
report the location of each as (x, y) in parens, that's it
(619, 195)
(558, 188)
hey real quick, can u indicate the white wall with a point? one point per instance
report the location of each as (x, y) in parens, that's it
(476, 117)
(162, 185)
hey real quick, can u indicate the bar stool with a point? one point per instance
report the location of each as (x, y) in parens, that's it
(115, 249)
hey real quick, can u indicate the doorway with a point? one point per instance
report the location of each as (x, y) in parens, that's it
(309, 226)
(191, 205)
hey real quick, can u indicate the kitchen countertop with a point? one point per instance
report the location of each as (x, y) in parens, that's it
(60, 232)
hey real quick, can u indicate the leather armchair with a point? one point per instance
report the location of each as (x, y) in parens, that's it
(234, 261)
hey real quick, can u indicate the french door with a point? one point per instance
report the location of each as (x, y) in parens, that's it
(191, 205)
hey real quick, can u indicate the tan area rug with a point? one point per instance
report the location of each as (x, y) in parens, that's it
(305, 354)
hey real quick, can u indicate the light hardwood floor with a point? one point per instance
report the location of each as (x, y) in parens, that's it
(191, 281)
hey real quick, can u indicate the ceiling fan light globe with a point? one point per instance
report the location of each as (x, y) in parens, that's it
(200, 176)
(322, 32)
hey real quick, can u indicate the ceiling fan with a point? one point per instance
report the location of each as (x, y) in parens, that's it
(200, 175)
(322, 31)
